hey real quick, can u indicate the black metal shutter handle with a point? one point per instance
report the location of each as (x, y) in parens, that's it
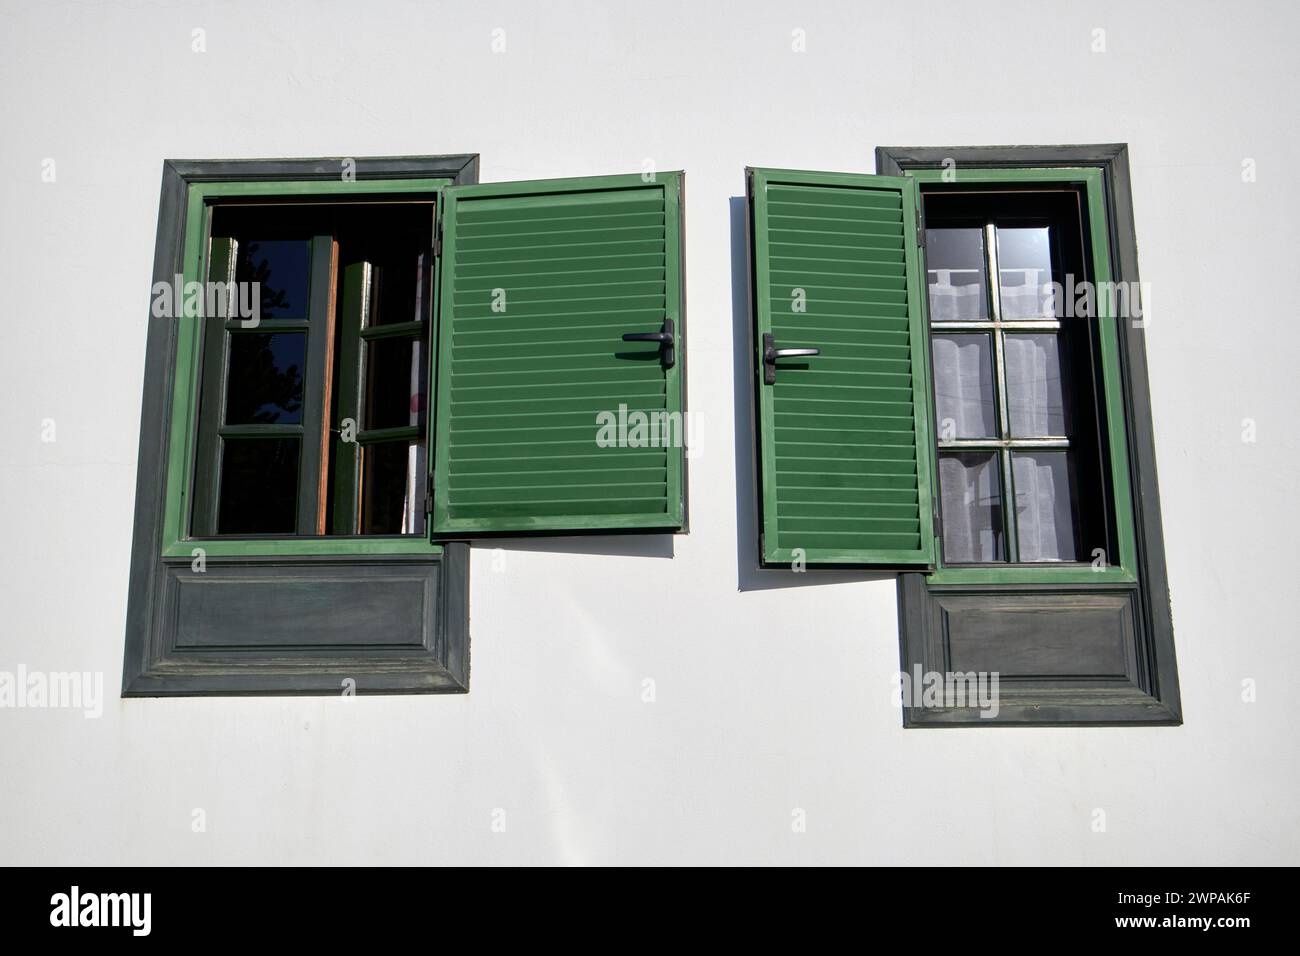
(666, 340)
(771, 353)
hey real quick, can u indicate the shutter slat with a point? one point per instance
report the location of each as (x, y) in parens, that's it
(510, 409)
(539, 283)
(617, 291)
(543, 229)
(635, 232)
(555, 479)
(525, 328)
(606, 266)
(575, 301)
(556, 210)
(843, 435)
(835, 230)
(556, 352)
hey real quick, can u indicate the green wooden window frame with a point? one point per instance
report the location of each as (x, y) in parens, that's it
(182, 464)
(1123, 570)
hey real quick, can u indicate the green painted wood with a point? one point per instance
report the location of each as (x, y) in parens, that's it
(844, 436)
(354, 301)
(207, 483)
(539, 282)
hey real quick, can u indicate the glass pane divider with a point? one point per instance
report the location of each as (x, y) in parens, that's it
(988, 325)
(995, 444)
(1010, 515)
(259, 431)
(1010, 544)
(269, 325)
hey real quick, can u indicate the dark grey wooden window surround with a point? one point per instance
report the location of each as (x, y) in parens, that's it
(300, 625)
(1068, 655)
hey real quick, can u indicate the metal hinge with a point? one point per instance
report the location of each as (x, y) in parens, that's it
(437, 243)
(920, 230)
(428, 495)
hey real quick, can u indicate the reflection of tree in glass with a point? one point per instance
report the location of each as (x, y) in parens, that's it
(257, 268)
(265, 379)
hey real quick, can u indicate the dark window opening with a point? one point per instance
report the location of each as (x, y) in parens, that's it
(313, 411)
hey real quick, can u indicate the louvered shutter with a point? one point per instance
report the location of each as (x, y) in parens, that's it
(844, 435)
(546, 419)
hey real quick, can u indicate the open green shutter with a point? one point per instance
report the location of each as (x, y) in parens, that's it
(844, 435)
(547, 420)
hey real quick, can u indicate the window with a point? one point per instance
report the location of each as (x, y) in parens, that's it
(1020, 465)
(312, 417)
(928, 401)
(381, 366)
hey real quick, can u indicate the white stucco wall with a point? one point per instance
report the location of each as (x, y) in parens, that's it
(768, 699)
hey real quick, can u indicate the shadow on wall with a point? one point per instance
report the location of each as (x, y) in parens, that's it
(614, 545)
(749, 576)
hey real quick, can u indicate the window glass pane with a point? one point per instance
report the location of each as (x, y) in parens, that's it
(1036, 376)
(399, 281)
(265, 384)
(395, 373)
(1025, 273)
(392, 488)
(259, 486)
(1044, 516)
(972, 507)
(963, 386)
(955, 274)
(281, 267)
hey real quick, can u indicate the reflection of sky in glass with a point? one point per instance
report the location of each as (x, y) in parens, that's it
(1025, 267)
(955, 267)
(287, 357)
(1024, 248)
(265, 378)
(281, 266)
